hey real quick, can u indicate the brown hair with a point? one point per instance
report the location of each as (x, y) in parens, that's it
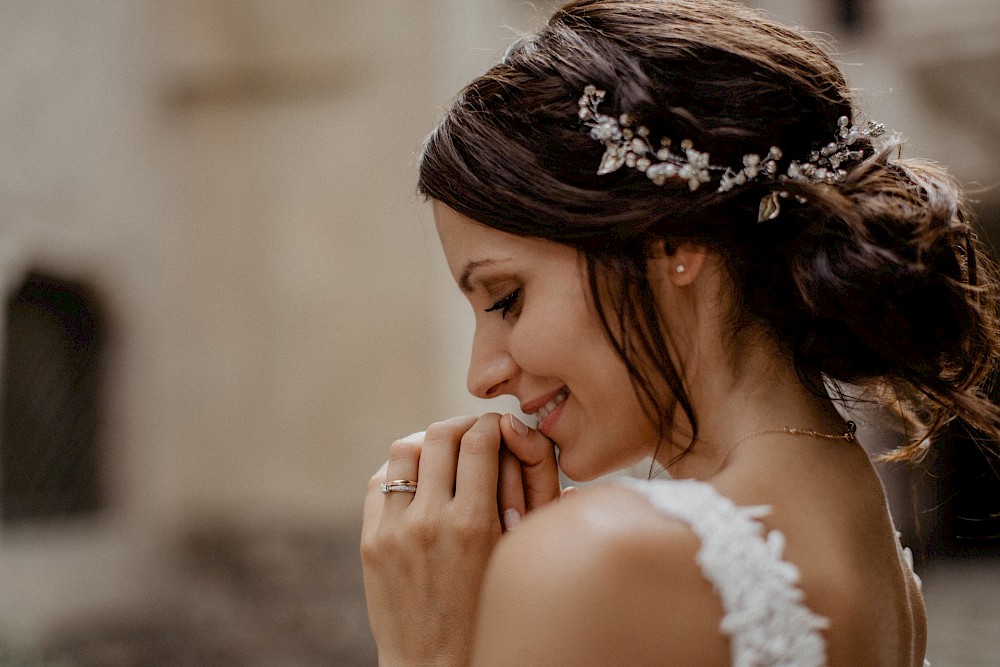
(871, 281)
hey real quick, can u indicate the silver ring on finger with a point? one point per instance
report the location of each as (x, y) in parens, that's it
(404, 485)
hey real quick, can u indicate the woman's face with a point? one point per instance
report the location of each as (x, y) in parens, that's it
(538, 339)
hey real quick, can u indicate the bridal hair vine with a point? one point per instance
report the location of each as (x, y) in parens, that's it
(627, 144)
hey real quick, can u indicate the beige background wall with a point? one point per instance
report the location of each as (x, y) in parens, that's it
(236, 178)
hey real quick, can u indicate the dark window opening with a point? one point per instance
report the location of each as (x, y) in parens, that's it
(851, 14)
(50, 458)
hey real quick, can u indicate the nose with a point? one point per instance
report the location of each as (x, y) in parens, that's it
(491, 368)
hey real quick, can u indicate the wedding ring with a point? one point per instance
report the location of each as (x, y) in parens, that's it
(406, 485)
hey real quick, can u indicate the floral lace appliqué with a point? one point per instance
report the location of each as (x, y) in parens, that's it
(766, 619)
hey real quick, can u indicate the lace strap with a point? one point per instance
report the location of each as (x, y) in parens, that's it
(766, 620)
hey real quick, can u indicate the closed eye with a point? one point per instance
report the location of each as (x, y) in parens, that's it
(506, 304)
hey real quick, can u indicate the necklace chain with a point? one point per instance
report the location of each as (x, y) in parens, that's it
(850, 435)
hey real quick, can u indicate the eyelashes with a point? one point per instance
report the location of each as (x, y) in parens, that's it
(507, 304)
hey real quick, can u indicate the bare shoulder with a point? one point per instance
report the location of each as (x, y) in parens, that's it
(599, 578)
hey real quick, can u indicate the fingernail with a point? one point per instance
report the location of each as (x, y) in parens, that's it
(568, 491)
(518, 425)
(511, 517)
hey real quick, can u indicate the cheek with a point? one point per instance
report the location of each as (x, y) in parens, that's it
(583, 359)
(534, 344)
(561, 340)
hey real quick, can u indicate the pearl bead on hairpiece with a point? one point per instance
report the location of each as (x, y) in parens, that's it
(626, 144)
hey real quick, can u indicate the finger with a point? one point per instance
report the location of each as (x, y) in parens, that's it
(403, 464)
(439, 458)
(373, 504)
(538, 461)
(479, 464)
(510, 493)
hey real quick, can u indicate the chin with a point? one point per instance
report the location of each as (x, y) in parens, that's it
(588, 469)
(582, 471)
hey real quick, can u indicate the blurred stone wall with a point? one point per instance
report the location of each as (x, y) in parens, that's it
(78, 200)
(235, 180)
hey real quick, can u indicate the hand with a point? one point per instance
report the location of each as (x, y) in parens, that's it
(425, 553)
(529, 475)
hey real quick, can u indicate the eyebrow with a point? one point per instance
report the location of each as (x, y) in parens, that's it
(463, 282)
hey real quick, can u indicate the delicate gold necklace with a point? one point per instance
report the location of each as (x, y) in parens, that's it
(850, 435)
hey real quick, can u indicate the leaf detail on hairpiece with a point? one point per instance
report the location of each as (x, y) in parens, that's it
(610, 162)
(770, 207)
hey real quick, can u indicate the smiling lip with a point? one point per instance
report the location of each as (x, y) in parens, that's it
(548, 413)
(546, 425)
(534, 406)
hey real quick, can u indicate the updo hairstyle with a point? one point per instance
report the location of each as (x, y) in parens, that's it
(871, 281)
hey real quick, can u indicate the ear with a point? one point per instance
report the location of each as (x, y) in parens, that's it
(683, 265)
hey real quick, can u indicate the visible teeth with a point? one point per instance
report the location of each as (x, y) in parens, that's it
(546, 409)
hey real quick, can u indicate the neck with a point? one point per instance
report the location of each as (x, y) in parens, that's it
(738, 402)
(738, 384)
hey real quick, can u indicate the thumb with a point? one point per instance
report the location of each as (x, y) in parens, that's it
(537, 455)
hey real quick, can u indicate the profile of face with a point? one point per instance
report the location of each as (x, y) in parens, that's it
(538, 338)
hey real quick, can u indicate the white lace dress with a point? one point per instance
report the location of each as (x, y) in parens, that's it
(766, 620)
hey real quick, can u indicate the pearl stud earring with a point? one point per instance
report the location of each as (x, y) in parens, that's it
(680, 268)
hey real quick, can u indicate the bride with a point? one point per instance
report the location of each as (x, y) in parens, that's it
(679, 241)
